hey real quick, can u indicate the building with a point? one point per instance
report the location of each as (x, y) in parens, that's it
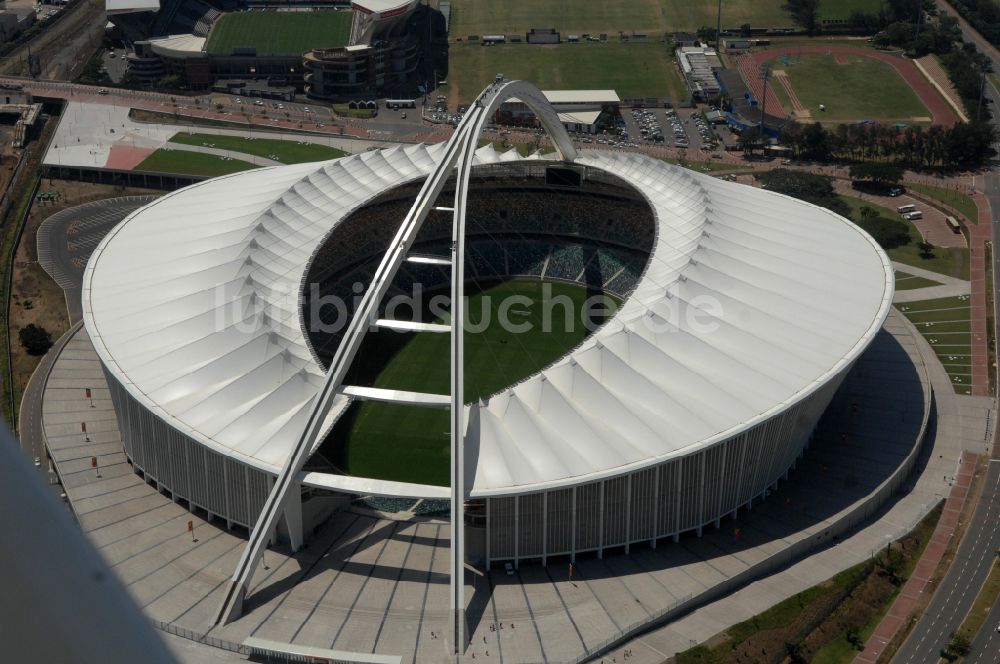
(681, 39)
(656, 424)
(579, 110)
(698, 65)
(376, 54)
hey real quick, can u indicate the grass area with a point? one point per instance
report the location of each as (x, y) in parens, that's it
(640, 69)
(841, 650)
(279, 33)
(945, 323)
(987, 597)
(906, 281)
(287, 152)
(817, 621)
(956, 199)
(346, 111)
(865, 89)
(406, 443)
(184, 162)
(477, 17)
(952, 262)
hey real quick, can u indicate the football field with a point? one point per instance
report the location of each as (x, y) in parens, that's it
(279, 33)
(850, 87)
(477, 17)
(638, 69)
(411, 444)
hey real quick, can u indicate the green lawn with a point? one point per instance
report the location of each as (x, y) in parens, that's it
(191, 163)
(950, 262)
(406, 443)
(906, 281)
(632, 69)
(864, 89)
(956, 199)
(279, 33)
(287, 152)
(945, 324)
(477, 17)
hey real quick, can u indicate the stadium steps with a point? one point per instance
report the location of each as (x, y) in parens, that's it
(401, 397)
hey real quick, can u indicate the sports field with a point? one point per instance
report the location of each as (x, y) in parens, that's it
(945, 323)
(287, 152)
(631, 69)
(477, 17)
(405, 443)
(851, 87)
(184, 162)
(279, 33)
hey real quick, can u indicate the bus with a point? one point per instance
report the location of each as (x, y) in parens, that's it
(953, 224)
(397, 104)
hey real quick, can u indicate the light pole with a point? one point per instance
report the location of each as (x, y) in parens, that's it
(765, 74)
(718, 29)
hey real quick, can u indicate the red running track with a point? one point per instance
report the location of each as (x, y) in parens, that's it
(939, 109)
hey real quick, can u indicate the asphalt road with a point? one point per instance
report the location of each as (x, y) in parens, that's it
(978, 549)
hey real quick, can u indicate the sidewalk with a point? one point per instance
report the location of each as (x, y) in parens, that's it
(908, 599)
(979, 235)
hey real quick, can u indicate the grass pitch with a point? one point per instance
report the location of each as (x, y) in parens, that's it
(287, 152)
(640, 69)
(279, 33)
(184, 162)
(409, 444)
(478, 17)
(945, 323)
(865, 88)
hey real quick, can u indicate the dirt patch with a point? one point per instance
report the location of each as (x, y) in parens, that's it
(35, 297)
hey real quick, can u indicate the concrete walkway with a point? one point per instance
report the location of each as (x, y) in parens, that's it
(910, 596)
(370, 585)
(87, 133)
(949, 286)
(960, 425)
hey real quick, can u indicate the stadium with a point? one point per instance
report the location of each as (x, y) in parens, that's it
(717, 322)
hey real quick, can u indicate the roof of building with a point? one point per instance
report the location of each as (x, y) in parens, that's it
(580, 117)
(192, 303)
(126, 6)
(582, 96)
(178, 46)
(384, 8)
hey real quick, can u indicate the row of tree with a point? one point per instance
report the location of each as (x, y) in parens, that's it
(963, 146)
(983, 15)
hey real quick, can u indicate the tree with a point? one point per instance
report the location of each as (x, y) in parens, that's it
(959, 645)
(706, 34)
(169, 82)
(881, 176)
(35, 339)
(805, 13)
(926, 250)
(889, 233)
(751, 139)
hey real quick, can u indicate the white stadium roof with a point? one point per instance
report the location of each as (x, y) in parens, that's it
(127, 6)
(170, 295)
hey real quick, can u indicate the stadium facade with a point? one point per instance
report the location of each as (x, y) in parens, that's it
(658, 423)
(388, 40)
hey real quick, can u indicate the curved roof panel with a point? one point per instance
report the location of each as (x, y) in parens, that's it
(749, 303)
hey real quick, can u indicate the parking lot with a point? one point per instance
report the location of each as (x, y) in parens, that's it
(681, 128)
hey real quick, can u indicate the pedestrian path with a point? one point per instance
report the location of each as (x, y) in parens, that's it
(367, 584)
(912, 594)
